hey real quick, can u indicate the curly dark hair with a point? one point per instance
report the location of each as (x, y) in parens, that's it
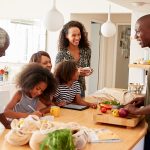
(65, 70)
(34, 73)
(63, 41)
(36, 57)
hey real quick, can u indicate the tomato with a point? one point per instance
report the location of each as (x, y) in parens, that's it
(107, 106)
(103, 110)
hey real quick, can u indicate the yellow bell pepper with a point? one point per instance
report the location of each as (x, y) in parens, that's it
(115, 112)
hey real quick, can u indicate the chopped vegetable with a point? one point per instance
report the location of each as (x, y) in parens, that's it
(58, 140)
(112, 102)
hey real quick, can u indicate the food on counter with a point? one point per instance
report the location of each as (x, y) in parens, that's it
(123, 112)
(115, 112)
(35, 130)
(59, 139)
(107, 106)
(17, 138)
(36, 139)
(112, 102)
(103, 110)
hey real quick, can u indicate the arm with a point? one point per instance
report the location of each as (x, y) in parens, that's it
(138, 111)
(44, 109)
(9, 108)
(138, 101)
(80, 101)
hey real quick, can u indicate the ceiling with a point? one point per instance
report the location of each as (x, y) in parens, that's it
(136, 5)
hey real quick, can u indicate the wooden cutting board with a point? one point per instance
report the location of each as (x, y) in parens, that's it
(108, 118)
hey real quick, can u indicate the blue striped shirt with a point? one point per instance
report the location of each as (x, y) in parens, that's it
(67, 93)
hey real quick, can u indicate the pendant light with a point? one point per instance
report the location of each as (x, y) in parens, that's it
(108, 29)
(54, 19)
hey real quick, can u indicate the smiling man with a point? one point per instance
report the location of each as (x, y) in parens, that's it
(4, 42)
(142, 34)
(142, 30)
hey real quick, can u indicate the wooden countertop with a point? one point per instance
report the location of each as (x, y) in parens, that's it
(129, 136)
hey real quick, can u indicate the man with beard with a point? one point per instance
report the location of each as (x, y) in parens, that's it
(142, 34)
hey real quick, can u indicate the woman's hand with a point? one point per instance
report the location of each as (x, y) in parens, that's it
(85, 71)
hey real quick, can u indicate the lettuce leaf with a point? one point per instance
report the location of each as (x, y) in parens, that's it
(58, 140)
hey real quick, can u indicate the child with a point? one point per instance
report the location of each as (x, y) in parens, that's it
(35, 82)
(44, 59)
(68, 90)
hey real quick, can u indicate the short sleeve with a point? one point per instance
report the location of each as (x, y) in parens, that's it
(57, 94)
(78, 89)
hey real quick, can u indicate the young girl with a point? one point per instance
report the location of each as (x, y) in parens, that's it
(35, 82)
(44, 59)
(68, 90)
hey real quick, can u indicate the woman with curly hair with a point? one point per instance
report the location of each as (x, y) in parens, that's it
(35, 83)
(74, 45)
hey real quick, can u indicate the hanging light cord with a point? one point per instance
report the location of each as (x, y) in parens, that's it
(54, 4)
(109, 9)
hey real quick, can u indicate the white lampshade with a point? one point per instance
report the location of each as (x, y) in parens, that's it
(54, 20)
(108, 29)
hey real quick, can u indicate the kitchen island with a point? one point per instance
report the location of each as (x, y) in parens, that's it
(131, 138)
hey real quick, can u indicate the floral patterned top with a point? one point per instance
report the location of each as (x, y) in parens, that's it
(84, 61)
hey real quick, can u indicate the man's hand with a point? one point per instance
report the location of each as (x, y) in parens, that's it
(131, 108)
(138, 101)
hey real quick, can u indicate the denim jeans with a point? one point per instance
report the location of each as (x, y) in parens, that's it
(147, 141)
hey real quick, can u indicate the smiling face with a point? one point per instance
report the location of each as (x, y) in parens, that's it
(74, 36)
(46, 62)
(142, 33)
(38, 89)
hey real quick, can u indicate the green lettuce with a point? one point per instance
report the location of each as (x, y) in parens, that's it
(58, 140)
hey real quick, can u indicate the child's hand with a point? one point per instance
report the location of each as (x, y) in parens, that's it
(62, 103)
(38, 113)
(92, 105)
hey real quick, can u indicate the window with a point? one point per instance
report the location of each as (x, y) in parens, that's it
(26, 37)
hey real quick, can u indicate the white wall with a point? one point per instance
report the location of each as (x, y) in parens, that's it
(107, 45)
